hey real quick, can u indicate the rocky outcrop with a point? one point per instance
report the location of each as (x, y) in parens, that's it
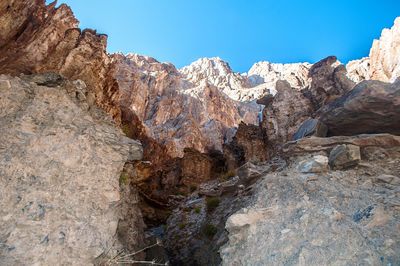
(371, 107)
(283, 116)
(358, 70)
(365, 142)
(45, 38)
(181, 109)
(384, 55)
(60, 165)
(383, 62)
(266, 74)
(311, 127)
(248, 145)
(328, 81)
(337, 217)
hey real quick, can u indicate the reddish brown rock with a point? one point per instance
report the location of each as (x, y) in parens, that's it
(36, 38)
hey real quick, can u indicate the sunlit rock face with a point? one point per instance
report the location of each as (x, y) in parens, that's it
(385, 55)
(199, 105)
(181, 108)
(35, 38)
(266, 74)
(383, 62)
(60, 165)
(358, 70)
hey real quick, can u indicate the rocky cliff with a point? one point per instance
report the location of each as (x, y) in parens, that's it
(383, 62)
(198, 106)
(72, 181)
(45, 38)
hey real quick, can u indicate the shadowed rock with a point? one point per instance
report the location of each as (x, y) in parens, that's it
(371, 107)
(311, 127)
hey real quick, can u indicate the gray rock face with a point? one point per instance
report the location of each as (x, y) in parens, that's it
(371, 107)
(334, 218)
(344, 156)
(60, 162)
(311, 127)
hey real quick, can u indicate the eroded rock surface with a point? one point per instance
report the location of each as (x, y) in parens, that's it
(60, 165)
(283, 116)
(248, 145)
(383, 62)
(385, 55)
(371, 107)
(36, 38)
(337, 217)
(328, 82)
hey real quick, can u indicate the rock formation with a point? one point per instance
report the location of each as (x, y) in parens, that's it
(45, 38)
(177, 110)
(266, 74)
(283, 116)
(385, 55)
(248, 145)
(383, 62)
(328, 82)
(60, 165)
(55, 141)
(371, 107)
(358, 70)
(345, 217)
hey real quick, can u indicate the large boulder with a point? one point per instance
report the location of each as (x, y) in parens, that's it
(60, 166)
(316, 164)
(371, 107)
(344, 156)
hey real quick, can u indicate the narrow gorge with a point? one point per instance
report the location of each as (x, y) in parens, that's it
(113, 159)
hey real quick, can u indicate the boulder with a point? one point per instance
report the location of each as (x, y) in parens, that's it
(316, 164)
(344, 156)
(371, 107)
(311, 127)
(60, 173)
(265, 100)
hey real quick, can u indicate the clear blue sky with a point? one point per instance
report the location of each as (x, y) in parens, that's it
(241, 32)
